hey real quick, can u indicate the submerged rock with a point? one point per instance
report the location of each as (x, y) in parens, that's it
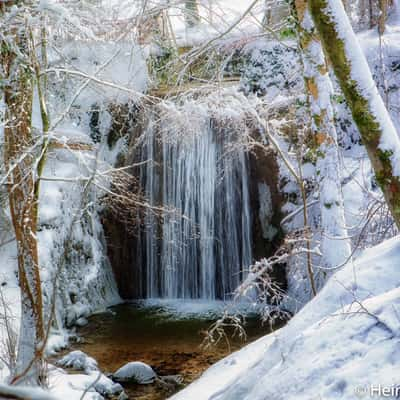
(135, 371)
(172, 379)
(170, 383)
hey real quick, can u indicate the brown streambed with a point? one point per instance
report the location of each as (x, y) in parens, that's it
(169, 343)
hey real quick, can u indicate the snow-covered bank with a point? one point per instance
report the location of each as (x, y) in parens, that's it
(344, 339)
(72, 386)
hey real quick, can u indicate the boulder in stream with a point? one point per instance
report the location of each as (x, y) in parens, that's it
(135, 371)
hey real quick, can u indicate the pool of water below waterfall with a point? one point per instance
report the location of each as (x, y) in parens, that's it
(166, 335)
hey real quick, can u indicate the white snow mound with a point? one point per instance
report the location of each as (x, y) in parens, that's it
(346, 341)
(72, 386)
(78, 361)
(135, 371)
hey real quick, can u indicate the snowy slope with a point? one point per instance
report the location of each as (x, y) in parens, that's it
(344, 339)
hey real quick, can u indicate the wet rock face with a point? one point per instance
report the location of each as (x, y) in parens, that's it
(122, 253)
(122, 236)
(266, 202)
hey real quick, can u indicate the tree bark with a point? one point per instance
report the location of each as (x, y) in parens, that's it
(371, 14)
(383, 6)
(335, 245)
(19, 161)
(370, 115)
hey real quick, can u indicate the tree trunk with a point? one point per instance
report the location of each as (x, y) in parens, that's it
(370, 115)
(335, 245)
(363, 10)
(383, 6)
(371, 14)
(19, 161)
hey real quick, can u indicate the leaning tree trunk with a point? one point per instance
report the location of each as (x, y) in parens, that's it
(19, 162)
(335, 244)
(370, 115)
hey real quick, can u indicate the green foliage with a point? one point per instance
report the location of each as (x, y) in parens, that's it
(159, 64)
(312, 153)
(385, 155)
(317, 120)
(338, 98)
(287, 32)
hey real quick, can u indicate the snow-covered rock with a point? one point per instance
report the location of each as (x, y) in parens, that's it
(136, 371)
(106, 387)
(82, 321)
(345, 341)
(72, 386)
(78, 361)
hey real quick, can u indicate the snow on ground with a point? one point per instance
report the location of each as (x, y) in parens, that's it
(79, 361)
(72, 386)
(29, 393)
(346, 338)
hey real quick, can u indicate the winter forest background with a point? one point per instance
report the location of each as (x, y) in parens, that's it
(199, 199)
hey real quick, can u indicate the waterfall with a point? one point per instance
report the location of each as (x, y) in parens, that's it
(201, 244)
